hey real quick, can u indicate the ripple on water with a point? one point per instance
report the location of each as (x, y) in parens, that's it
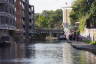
(40, 53)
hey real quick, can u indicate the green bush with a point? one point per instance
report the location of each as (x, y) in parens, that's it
(93, 42)
(86, 41)
(89, 42)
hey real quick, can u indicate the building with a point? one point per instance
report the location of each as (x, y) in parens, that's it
(27, 18)
(24, 18)
(66, 20)
(16, 16)
(19, 21)
(89, 32)
(19, 13)
(7, 18)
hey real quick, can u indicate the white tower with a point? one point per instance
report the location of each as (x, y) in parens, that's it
(66, 18)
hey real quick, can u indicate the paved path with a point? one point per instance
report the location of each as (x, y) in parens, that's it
(84, 46)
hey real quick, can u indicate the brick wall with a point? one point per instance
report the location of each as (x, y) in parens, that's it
(18, 15)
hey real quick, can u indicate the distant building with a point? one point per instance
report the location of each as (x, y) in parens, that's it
(66, 20)
(89, 32)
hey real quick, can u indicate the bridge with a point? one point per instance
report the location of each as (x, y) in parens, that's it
(42, 33)
(47, 31)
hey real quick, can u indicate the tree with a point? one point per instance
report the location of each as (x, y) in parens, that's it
(42, 22)
(49, 19)
(84, 11)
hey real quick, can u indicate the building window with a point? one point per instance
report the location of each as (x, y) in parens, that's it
(3, 20)
(30, 20)
(7, 20)
(14, 1)
(2, 7)
(23, 0)
(0, 19)
(22, 5)
(14, 22)
(10, 21)
(23, 14)
(13, 11)
(10, 10)
(11, 1)
(30, 27)
(24, 26)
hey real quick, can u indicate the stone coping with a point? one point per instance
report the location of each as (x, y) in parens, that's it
(83, 46)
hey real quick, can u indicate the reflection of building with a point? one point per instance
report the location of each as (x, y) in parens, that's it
(66, 19)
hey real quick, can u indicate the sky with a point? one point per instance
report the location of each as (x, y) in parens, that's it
(41, 5)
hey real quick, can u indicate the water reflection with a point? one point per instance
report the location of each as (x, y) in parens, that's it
(16, 54)
(83, 57)
(48, 53)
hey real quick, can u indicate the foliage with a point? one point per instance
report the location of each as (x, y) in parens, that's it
(93, 42)
(83, 11)
(49, 19)
(89, 42)
(86, 41)
(42, 22)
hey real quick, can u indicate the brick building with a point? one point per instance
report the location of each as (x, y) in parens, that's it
(24, 18)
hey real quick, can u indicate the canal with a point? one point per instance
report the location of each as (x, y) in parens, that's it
(46, 52)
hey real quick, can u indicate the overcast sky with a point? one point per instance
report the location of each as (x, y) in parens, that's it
(41, 5)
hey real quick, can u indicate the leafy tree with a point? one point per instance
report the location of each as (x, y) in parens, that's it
(49, 19)
(41, 21)
(83, 11)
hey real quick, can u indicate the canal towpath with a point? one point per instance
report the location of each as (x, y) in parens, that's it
(83, 46)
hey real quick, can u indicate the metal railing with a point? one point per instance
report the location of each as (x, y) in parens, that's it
(7, 14)
(3, 1)
(8, 27)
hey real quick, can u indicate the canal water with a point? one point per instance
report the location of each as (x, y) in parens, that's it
(48, 52)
